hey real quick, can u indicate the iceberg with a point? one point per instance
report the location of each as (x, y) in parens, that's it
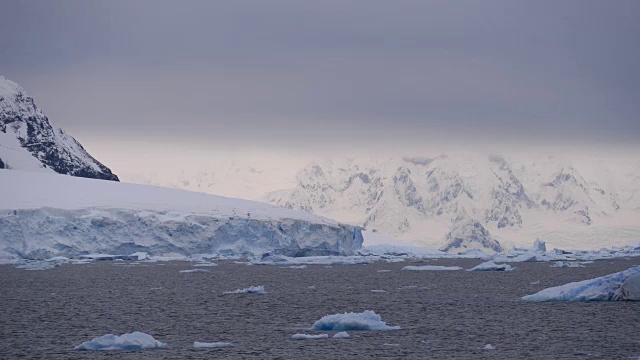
(366, 320)
(130, 341)
(341, 335)
(307, 336)
(212, 345)
(606, 288)
(539, 246)
(630, 289)
(431, 268)
(491, 266)
(566, 264)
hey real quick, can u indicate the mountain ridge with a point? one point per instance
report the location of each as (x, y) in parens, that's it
(28, 141)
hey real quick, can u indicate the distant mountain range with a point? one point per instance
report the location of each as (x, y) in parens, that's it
(454, 202)
(28, 141)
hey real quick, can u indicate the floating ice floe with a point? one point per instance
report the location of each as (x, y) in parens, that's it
(194, 271)
(297, 267)
(432, 268)
(250, 290)
(212, 345)
(341, 335)
(491, 266)
(366, 320)
(314, 260)
(488, 347)
(384, 271)
(378, 291)
(308, 336)
(624, 285)
(38, 265)
(130, 341)
(205, 264)
(566, 264)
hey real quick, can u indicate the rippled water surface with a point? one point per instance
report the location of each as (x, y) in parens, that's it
(443, 314)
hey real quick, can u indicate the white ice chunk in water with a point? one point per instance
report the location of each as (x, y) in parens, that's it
(566, 264)
(307, 336)
(250, 290)
(130, 341)
(432, 268)
(366, 320)
(488, 347)
(605, 288)
(378, 291)
(491, 266)
(205, 345)
(194, 271)
(341, 335)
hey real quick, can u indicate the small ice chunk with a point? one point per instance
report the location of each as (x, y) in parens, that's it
(341, 335)
(382, 271)
(366, 320)
(204, 345)
(130, 341)
(205, 264)
(250, 290)
(566, 264)
(535, 282)
(297, 267)
(378, 291)
(432, 268)
(194, 271)
(488, 347)
(491, 266)
(307, 336)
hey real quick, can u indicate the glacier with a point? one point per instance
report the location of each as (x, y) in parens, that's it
(46, 215)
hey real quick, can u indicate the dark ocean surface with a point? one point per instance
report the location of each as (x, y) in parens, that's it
(443, 314)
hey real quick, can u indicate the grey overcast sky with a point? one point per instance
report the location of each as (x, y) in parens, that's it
(297, 74)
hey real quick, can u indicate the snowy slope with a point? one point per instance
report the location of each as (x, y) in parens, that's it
(46, 215)
(28, 141)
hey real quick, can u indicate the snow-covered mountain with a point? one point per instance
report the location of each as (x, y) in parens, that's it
(461, 202)
(45, 215)
(28, 141)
